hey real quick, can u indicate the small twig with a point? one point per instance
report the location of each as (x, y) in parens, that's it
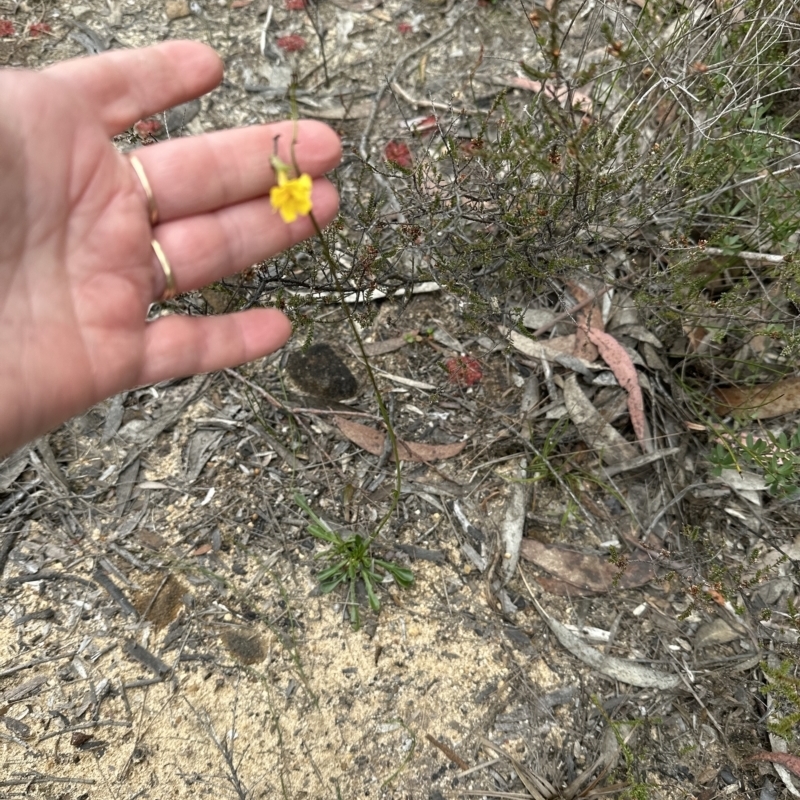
(275, 403)
(565, 486)
(456, 759)
(38, 777)
(140, 728)
(152, 662)
(398, 89)
(82, 726)
(49, 575)
(255, 387)
(365, 295)
(483, 765)
(764, 258)
(334, 412)
(28, 664)
(156, 593)
(116, 594)
(639, 461)
(263, 39)
(314, 19)
(7, 544)
(674, 501)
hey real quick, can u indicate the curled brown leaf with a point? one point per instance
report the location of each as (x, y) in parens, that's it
(374, 442)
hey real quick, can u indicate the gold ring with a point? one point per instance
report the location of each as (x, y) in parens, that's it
(170, 290)
(152, 208)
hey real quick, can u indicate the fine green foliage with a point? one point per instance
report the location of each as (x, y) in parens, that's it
(350, 563)
(676, 138)
(784, 684)
(776, 457)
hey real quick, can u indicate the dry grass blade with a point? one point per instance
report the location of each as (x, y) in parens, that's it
(610, 747)
(539, 788)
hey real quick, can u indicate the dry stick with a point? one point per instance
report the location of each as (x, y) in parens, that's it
(39, 777)
(29, 664)
(674, 501)
(334, 412)
(7, 544)
(483, 765)
(746, 255)
(392, 76)
(275, 403)
(158, 716)
(314, 20)
(257, 389)
(456, 759)
(413, 101)
(793, 168)
(566, 487)
(82, 726)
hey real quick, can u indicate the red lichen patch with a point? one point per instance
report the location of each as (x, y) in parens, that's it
(291, 43)
(38, 28)
(423, 124)
(398, 153)
(404, 28)
(464, 370)
(6, 28)
(295, 5)
(146, 128)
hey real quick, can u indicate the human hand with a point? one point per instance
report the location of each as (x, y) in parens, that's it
(77, 270)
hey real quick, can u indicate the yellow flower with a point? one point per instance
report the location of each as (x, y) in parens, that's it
(292, 196)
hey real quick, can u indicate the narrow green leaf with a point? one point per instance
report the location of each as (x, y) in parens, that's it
(373, 598)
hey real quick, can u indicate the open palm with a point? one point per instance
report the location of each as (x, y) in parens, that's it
(77, 271)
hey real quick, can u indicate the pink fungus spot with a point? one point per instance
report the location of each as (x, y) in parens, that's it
(145, 128)
(38, 28)
(398, 153)
(404, 28)
(464, 370)
(291, 43)
(295, 5)
(422, 124)
(6, 28)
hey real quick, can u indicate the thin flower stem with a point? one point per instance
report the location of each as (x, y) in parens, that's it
(384, 412)
(354, 328)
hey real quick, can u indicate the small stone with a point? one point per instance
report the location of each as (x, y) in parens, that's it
(178, 117)
(320, 372)
(176, 9)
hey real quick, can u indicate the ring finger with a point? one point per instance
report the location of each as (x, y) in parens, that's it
(207, 247)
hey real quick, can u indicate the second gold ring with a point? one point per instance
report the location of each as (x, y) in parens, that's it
(170, 290)
(152, 208)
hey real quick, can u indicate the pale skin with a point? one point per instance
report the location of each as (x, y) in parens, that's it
(77, 271)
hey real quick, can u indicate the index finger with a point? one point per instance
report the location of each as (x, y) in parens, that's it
(126, 85)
